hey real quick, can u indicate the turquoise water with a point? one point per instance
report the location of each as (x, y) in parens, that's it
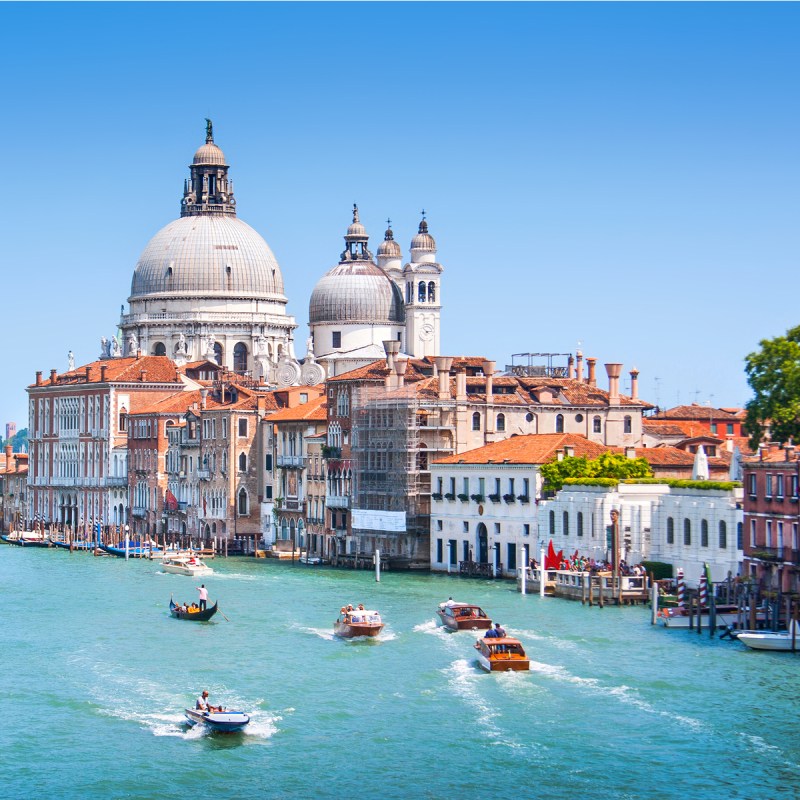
(96, 674)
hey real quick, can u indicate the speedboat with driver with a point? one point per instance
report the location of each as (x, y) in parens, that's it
(224, 721)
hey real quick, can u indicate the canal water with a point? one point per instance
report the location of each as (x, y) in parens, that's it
(96, 674)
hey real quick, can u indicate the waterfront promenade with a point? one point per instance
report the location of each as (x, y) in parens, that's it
(97, 674)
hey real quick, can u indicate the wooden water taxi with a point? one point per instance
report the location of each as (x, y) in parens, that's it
(357, 622)
(501, 655)
(463, 616)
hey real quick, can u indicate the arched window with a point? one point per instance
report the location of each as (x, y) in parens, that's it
(476, 421)
(552, 523)
(723, 535)
(243, 502)
(580, 523)
(704, 533)
(739, 536)
(242, 462)
(501, 422)
(627, 425)
(597, 425)
(224, 461)
(240, 358)
(159, 349)
(670, 530)
(566, 523)
(687, 531)
(218, 353)
(559, 423)
(431, 292)
(421, 292)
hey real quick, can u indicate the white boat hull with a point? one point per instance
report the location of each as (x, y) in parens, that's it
(226, 721)
(758, 640)
(192, 572)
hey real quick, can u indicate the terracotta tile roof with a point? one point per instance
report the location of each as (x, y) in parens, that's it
(662, 427)
(665, 456)
(534, 448)
(696, 411)
(181, 402)
(158, 369)
(377, 371)
(570, 391)
(314, 410)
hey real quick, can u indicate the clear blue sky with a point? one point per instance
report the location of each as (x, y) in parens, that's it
(623, 175)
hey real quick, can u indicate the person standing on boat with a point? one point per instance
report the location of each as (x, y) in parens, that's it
(203, 596)
(499, 631)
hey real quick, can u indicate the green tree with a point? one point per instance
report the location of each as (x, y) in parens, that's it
(606, 465)
(773, 373)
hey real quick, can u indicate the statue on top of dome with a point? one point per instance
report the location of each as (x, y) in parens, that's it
(209, 131)
(71, 361)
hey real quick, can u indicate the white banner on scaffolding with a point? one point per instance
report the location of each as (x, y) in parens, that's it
(391, 521)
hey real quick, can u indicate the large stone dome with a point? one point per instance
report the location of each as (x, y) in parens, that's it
(207, 256)
(359, 292)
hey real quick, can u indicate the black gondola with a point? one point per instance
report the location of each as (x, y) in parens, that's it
(196, 616)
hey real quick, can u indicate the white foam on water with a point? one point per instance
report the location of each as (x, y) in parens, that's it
(429, 626)
(386, 636)
(323, 633)
(560, 644)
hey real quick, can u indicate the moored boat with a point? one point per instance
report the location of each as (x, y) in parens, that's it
(224, 721)
(357, 622)
(501, 655)
(678, 617)
(26, 539)
(182, 612)
(184, 564)
(772, 640)
(78, 545)
(463, 616)
(134, 550)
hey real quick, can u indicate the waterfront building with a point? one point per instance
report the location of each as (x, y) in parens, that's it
(207, 286)
(771, 518)
(297, 498)
(78, 436)
(359, 304)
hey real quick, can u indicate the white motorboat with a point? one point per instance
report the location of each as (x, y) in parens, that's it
(225, 721)
(190, 565)
(772, 640)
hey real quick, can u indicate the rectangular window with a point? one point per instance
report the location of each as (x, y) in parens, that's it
(439, 551)
(526, 487)
(779, 543)
(793, 484)
(779, 486)
(511, 486)
(768, 488)
(713, 427)
(794, 536)
(526, 529)
(465, 485)
(752, 533)
(768, 534)
(242, 426)
(465, 549)
(440, 485)
(224, 427)
(268, 462)
(452, 547)
(729, 428)
(268, 489)
(497, 486)
(580, 523)
(466, 527)
(438, 525)
(497, 529)
(336, 339)
(751, 479)
(482, 486)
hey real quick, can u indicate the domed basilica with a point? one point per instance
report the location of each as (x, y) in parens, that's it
(207, 286)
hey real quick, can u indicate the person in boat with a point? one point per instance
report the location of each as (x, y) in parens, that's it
(361, 607)
(202, 703)
(498, 632)
(450, 602)
(203, 592)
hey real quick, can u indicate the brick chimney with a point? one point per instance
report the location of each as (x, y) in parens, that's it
(569, 451)
(88, 374)
(591, 363)
(579, 365)
(38, 377)
(204, 398)
(630, 452)
(461, 386)
(559, 454)
(53, 374)
(400, 366)
(9, 450)
(488, 371)
(443, 364)
(143, 375)
(103, 371)
(634, 384)
(613, 371)
(571, 367)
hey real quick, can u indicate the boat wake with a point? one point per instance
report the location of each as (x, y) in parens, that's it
(323, 633)
(560, 644)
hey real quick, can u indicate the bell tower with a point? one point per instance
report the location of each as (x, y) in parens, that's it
(422, 278)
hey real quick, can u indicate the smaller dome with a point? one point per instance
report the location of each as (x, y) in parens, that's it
(356, 232)
(423, 240)
(209, 153)
(389, 248)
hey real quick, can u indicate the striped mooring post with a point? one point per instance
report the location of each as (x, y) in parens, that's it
(703, 590)
(681, 590)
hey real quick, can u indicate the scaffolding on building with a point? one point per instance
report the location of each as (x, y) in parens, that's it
(537, 365)
(396, 433)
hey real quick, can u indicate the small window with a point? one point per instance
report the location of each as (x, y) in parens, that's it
(439, 551)
(704, 533)
(579, 418)
(242, 462)
(243, 426)
(421, 293)
(243, 504)
(466, 526)
(438, 525)
(729, 428)
(670, 530)
(476, 421)
(566, 523)
(268, 462)
(559, 423)
(723, 535)
(552, 523)
(713, 427)
(501, 422)
(526, 529)
(597, 425)
(336, 339)
(580, 523)
(431, 292)
(627, 425)
(687, 531)
(751, 479)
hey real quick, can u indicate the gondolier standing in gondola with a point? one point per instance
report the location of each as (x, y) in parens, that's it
(203, 596)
